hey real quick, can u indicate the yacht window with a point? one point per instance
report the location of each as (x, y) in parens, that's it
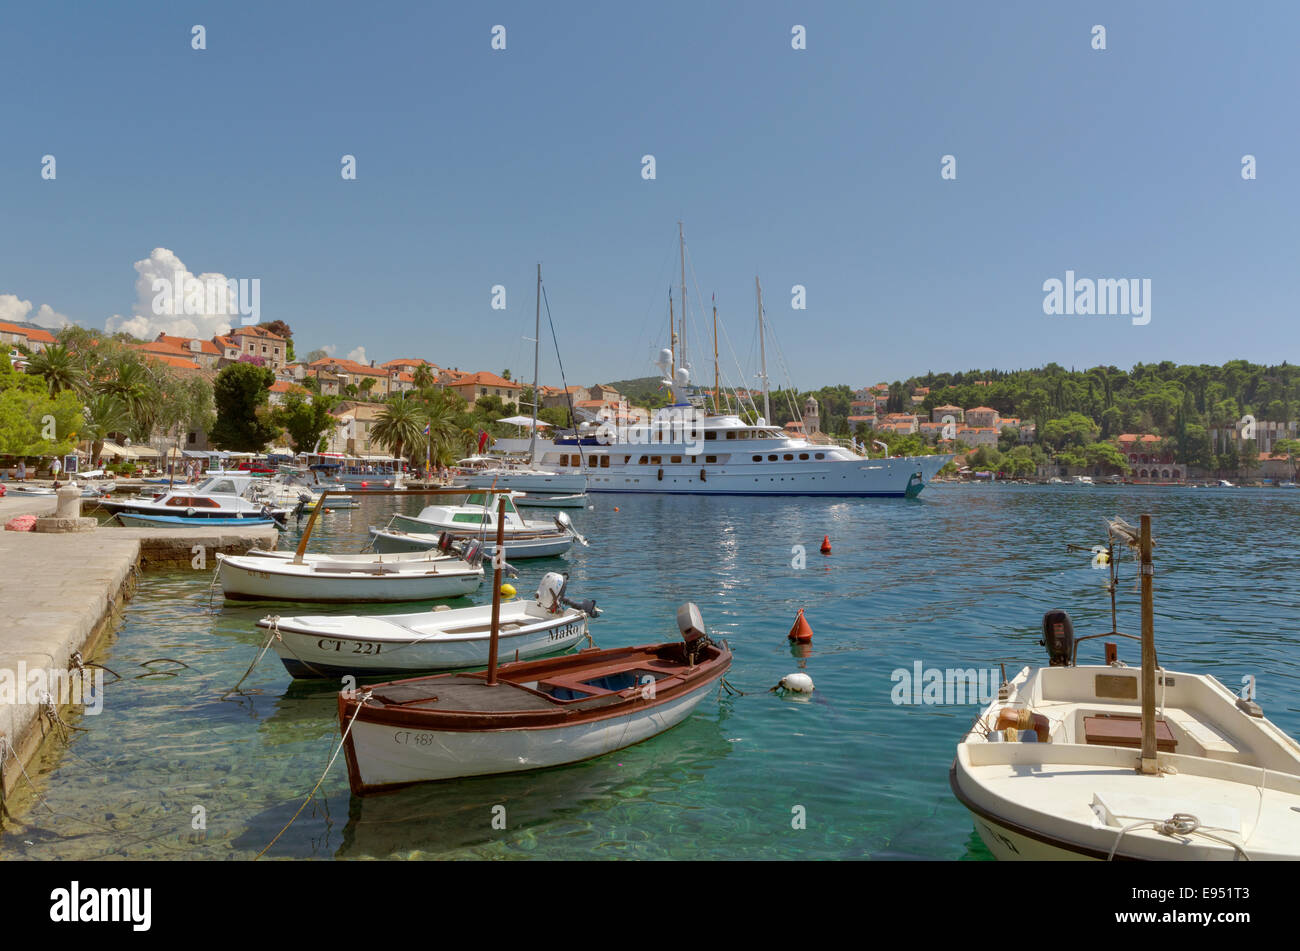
(564, 459)
(627, 459)
(675, 459)
(223, 486)
(788, 456)
(803, 455)
(642, 461)
(574, 461)
(710, 434)
(772, 458)
(821, 455)
(710, 458)
(604, 462)
(731, 434)
(758, 458)
(592, 462)
(656, 460)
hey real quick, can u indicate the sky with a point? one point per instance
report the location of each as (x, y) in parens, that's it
(820, 167)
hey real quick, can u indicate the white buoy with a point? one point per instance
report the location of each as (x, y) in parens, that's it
(798, 686)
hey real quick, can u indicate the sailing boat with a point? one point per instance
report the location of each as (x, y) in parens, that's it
(527, 715)
(530, 477)
(1113, 762)
(688, 449)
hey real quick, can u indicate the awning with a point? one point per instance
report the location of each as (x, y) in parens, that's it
(146, 452)
(525, 421)
(122, 452)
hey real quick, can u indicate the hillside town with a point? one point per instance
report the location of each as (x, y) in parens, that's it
(414, 409)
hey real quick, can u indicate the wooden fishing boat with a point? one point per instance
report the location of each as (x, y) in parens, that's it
(1116, 762)
(529, 715)
(257, 578)
(430, 640)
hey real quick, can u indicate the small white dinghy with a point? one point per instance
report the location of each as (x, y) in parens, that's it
(1116, 762)
(259, 578)
(430, 640)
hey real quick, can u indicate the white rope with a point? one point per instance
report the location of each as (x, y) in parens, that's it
(1180, 823)
(360, 703)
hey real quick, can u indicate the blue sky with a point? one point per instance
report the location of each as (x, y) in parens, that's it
(818, 167)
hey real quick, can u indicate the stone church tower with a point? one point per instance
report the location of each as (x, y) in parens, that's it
(811, 417)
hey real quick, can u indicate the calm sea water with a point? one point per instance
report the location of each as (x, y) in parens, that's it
(957, 578)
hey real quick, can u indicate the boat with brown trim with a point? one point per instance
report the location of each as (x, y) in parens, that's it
(531, 715)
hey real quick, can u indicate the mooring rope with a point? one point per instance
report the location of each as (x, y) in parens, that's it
(275, 633)
(1180, 823)
(360, 703)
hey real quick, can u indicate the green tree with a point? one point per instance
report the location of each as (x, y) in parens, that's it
(304, 420)
(59, 368)
(241, 394)
(32, 421)
(399, 425)
(104, 416)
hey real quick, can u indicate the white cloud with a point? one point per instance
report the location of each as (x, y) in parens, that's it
(330, 349)
(13, 309)
(154, 312)
(359, 355)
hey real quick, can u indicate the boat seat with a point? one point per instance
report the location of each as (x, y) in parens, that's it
(1110, 729)
(1216, 745)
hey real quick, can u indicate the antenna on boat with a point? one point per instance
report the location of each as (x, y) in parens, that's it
(498, 559)
(672, 335)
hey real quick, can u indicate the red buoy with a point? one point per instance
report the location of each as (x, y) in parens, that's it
(801, 632)
(826, 544)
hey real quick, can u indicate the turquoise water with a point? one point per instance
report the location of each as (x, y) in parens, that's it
(958, 578)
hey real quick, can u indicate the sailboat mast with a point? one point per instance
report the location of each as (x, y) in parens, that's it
(537, 342)
(1149, 763)
(716, 385)
(681, 241)
(672, 334)
(762, 350)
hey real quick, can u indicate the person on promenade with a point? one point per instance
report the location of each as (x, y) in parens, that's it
(22, 470)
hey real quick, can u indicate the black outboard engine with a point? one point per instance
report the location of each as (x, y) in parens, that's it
(445, 541)
(1058, 638)
(473, 554)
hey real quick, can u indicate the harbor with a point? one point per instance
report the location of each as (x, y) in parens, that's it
(936, 581)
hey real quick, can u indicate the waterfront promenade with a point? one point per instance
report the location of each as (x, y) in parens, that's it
(64, 592)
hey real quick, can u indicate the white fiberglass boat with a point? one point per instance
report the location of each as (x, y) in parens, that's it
(430, 640)
(1117, 762)
(476, 517)
(258, 578)
(222, 496)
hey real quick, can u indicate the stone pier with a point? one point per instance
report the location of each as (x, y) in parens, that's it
(62, 591)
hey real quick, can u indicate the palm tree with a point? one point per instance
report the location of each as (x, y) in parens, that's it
(423, 377)
(105, 415)
(131, 382)
(59, 367)
(399, 425)
(444, 435)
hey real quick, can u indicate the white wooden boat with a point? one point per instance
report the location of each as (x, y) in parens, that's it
(430, 640)
(476, 515)
(364, 558)
(1115, 762)
(258, 578)
(529, 715)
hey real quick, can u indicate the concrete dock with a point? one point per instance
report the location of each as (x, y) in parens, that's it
(61, 593)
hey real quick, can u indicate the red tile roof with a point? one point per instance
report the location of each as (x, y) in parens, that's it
(31, 333)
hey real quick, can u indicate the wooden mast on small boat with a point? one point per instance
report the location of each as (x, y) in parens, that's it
(1149, 764)
(537, 343)
(497, 561)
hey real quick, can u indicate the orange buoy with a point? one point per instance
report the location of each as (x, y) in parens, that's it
(615, 508)
(801, 632)
(826, 544)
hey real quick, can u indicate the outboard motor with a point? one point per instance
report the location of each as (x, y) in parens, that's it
(691, 623)
(1058, 638)
(565, 524)
(473, 554)
(444, 542)
(550, 595)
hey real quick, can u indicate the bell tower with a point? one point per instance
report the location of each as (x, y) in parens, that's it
(811, 417)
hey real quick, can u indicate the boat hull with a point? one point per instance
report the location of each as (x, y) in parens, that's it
(241, 582)
(387, 757)
(560, 483)
(902, 477)
(396, 542)
(322, 653)
(180, 521)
